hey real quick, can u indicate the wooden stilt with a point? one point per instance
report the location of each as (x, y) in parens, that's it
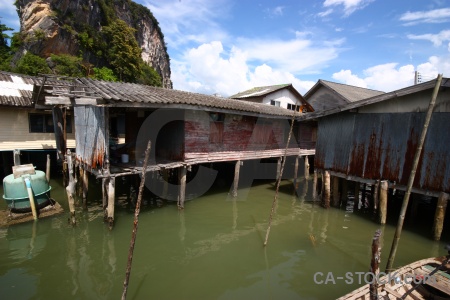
(356, 201)
(315, 185)
(295, 172)
(47, 169)
(182, 193)
(70, 189)
(326, 191)
(344, 193)
(16, 154)
(376, 196)
(440, 215)
(335, 191)
(279, 168)
(85, 187)
(383, 201)
(375, 265)
(111, 201)
(105, 182)
(237, 167)
(306, 167)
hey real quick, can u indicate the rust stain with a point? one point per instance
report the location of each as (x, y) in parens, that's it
(373, 164)
(357, 160)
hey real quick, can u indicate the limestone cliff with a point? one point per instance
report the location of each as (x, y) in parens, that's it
(55, 26)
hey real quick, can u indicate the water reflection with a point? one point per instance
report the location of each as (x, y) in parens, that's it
(211, 250)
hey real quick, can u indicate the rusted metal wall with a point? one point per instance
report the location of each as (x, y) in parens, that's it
(307, 135)
(238, 133)
(91, 136)
(382, 146)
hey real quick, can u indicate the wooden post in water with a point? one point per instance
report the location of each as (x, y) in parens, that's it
(383, 201)
(423, 135)
(439, 216)
(376, 196)
(364, 196)
(315, 185)
(105, 198)
(111, 200)
(356, 201)
(279, 168)
(375, 265)
(135, 223)
(306, 167)
(70, 189)
(85, 181)
(326, 192)
(335, 191)
(182, 194)
(237, 167)
(16, 154)
(47, 169)
(295, 172)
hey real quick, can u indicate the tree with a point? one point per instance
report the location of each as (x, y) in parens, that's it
(104, 73)
(149, 76)
(67, 65)
(124, 54)
(31, 64)
(4, 48)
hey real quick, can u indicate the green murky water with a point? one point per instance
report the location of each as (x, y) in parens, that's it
(211, 250)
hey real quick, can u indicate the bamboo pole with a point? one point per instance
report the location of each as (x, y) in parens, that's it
(182, 193)
(401, 218)
(306, 167)
(275, 198)
(70, 189)
(237, 167)
(135, 223)
(47, 169)
(31, 198)
(439, 216)
(384, 187)
(326, 189)
(375, 265)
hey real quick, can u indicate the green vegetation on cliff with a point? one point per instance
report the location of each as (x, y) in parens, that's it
(111, 53)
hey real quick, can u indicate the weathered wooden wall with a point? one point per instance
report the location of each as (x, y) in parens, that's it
(307, 135)
(242, 137)
(91, 136)
(382, 146)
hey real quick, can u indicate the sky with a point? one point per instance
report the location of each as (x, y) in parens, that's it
(228, 46)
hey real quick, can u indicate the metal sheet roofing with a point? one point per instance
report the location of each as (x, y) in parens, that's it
(16, 89)
(121, 93)
(260, 91)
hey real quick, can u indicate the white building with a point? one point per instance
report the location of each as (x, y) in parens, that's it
(282, 95)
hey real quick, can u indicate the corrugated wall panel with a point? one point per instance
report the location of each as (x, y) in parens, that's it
(90, 128)
(335, 133)
(382, 146)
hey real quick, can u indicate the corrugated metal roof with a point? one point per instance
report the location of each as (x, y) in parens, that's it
(116, 92)
(16, 89)
(259, 91)
(349, 92)
(376, 99)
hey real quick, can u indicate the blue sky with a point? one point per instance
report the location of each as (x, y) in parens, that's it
(227, 46)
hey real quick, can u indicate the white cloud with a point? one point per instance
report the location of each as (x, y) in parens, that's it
(325, 13)
(436, 39)
(350, 6)
(430, 16)
(277, 11)
(210, 69)
(189, 20)
(389, 77)
(347, 77)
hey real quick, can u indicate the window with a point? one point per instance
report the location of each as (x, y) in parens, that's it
(275, 103)
(43, 123)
